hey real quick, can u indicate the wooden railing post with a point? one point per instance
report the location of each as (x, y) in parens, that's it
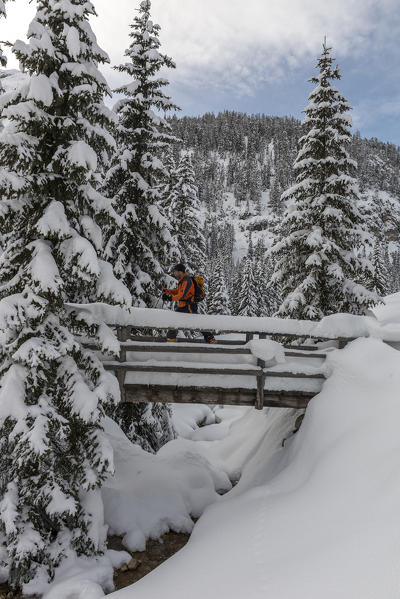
(260, 381)
(122, 334)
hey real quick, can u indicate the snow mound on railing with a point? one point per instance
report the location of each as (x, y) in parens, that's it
(269, 351)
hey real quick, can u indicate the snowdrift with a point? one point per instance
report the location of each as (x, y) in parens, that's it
(323, 520)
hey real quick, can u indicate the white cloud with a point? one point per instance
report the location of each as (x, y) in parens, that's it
(234, 45)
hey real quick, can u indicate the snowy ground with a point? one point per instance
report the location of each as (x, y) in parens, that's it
(150, 495)
(316, 518)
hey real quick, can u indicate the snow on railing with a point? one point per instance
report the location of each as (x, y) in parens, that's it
(334, 327)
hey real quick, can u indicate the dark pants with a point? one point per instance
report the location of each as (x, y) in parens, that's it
(172, 334)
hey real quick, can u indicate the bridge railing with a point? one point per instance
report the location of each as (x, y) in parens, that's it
(134, 325)
(131, 342)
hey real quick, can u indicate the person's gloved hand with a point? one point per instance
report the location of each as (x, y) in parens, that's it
(166, 298)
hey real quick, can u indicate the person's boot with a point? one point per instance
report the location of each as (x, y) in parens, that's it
(213, 341)
(172, 340)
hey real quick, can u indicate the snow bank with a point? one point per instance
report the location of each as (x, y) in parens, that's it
(186, 418)
(389, 312)
(246, 431)
(151, 494)
(323, 520)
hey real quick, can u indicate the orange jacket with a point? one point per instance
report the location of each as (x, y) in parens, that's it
(184, 293)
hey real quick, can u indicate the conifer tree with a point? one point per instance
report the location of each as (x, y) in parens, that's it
(53, 454)
(217, 297)
(141, 246)
(234, 298)
(168, 180)
(379, 279)
(248, 291)
(316, 258)
(394, 273)
(265, 294)
(186, 218)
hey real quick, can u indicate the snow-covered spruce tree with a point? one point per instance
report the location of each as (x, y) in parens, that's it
(317, 259)
(141, 246)
(379, 279)
(185, 217)
(217, 296)
(248, 290)
(53, 454)
(394, 272)
(168, 180)
(233, 286)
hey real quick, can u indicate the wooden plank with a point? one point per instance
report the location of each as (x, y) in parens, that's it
(202, 349)
(256, 372)
(182, 340)
(219, 331)
(301, 347)
(214, 396)
(173, 348)
(298, 354)
(294, 375)
(148, 338)
(135, 367)
(205, 395)
(298, 403)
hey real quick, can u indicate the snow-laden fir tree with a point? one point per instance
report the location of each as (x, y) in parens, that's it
(266, 295)
(168, 180)
(317, 258)
(248, 290)
(185, 216)
(53, 453)
(393, 267)
(141, 246)
(217, 296)
(379, 280)
(233, 286)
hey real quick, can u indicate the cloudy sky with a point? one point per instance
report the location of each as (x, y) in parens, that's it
(256, 55)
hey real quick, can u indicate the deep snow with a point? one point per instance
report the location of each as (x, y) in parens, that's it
(323, 518)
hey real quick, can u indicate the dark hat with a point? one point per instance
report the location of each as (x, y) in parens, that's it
(180, 267)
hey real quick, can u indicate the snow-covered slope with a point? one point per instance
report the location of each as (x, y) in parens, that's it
(244, 162)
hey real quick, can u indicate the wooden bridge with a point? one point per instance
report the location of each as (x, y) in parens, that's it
(150, 369)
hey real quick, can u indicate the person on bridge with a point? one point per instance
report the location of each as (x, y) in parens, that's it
(183, 295)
